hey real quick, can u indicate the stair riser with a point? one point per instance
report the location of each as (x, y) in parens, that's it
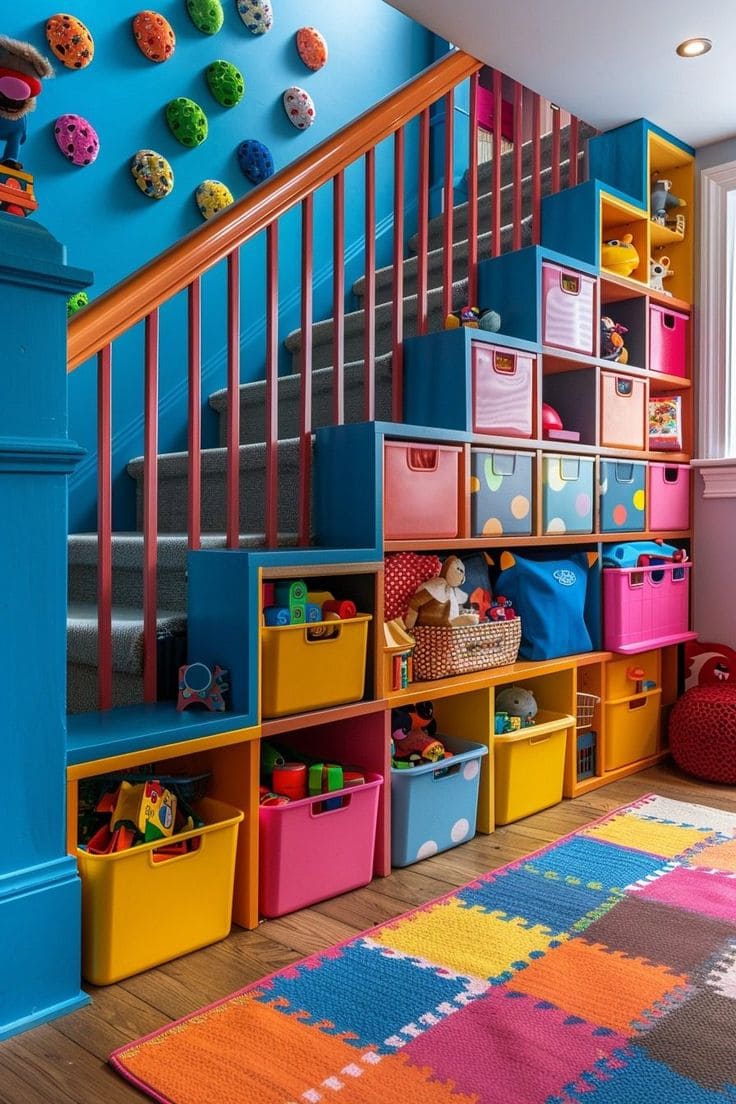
(127, 586)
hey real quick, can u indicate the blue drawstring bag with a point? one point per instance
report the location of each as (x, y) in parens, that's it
(549, 596)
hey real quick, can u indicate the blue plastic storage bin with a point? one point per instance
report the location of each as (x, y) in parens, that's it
(434, 807)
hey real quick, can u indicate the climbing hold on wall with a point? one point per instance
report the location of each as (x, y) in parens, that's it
(299, 106)
(75, 302)
(255, 160)
(206, 15)
(311, 47)
(226, 83)
(77, 139)
(154, 35)
(212, 196)
(70, 41)
(256, 14)
(187, 121)
(152, 173)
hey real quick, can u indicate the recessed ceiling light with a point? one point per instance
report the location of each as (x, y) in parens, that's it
(694, 47)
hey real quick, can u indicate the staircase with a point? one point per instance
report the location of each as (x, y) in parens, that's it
(127, 548)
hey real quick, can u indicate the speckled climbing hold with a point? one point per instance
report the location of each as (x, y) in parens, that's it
(311, 47)
(299, 106)
(70, 41)
(226, 83)
(154, 35)
(77, 139)
(152, 173)
(256, 14)
(75, 302)
(255, 160)
(212, 196)
(206, 15)
(187, 121)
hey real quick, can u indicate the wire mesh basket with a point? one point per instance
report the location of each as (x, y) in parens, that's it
(586, 704)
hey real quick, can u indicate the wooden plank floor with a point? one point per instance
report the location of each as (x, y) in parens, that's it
(65, 1062)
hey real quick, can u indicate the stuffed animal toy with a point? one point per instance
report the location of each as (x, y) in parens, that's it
(21, 70)
(517, 702)
(620, 255)
(440, 601)
(612, 342)
(659, 271)
(662, 200)
(477, 318)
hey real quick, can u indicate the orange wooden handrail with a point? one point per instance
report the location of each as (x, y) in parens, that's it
(134, 298)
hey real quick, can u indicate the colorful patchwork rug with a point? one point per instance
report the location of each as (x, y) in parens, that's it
(599, 970)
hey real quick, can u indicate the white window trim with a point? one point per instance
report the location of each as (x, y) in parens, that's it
(715, 375)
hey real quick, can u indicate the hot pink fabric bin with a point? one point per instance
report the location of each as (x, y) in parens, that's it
(568, 309)
(668, 331)
(645, 607)
(308, 853)
(669, 496)
(421, 492)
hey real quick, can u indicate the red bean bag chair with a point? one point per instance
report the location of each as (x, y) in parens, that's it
(702, 731)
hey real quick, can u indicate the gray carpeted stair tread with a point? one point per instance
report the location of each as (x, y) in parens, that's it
(127, 634)
(172, 488)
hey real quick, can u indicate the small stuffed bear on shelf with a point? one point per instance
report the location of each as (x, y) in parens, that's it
(440, 600)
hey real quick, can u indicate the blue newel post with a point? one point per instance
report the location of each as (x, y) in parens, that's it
(40, 896)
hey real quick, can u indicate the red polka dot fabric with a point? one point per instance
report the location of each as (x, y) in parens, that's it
(403, 573)
(702, 731)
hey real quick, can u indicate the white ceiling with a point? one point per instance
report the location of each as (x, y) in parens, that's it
(608, 62)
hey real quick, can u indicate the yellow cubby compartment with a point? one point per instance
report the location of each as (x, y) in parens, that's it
(618, 220)
(529, 766)
(632, 729)
(668, 161)
(622, 674)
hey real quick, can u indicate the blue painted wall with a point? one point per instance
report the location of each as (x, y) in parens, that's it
(112, 228)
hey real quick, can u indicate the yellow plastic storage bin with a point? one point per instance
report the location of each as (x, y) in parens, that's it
(301, 673)
(632, 729)
(618, 683)
(138, 912)
(529, 766)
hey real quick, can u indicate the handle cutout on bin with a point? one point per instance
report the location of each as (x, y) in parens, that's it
(637, 703)
(504, 363)
(671, 475)
(423, 459)
(624, 387)
(569, 468)
(326, 805)
(624, 472)
(534, 740)
(313, 635)
(668, 320)
(569, 284)
(445, 772)
(503, 463)
(159, 854)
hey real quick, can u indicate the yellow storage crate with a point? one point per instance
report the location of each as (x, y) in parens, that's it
(529, 766)
(138, 912)
(618, 683)
(300, 672)
(632, 729)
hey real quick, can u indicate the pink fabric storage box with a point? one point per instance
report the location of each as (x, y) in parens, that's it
(308, 853)
(668, 331)
(421, 495)
(669, 496)
(568, 309)
(623, 411)
(645, 607)
(502, 391)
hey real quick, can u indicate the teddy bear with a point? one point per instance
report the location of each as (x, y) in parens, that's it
(440, 601)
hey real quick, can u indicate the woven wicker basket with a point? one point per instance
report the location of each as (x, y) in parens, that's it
(444, 650)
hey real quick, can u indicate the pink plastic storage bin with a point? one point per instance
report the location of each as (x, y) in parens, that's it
(667, 341)
(645, 607)
(421, 496)
(308, 853)
(502, 391)
(568, 309)
(669, 496)
(623, 411)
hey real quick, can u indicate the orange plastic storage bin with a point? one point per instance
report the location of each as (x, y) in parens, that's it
(301, 673)
(623, 411)
(632, 729)
(421, 490)
(138, 911)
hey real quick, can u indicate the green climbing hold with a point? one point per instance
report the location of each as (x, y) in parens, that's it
(76, 302)
(206, 15)
(226, 83)
(187, 121)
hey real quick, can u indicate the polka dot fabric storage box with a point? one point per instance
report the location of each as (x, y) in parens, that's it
(433, 807)
(567, 494)
(623, 496)
(500, 493)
